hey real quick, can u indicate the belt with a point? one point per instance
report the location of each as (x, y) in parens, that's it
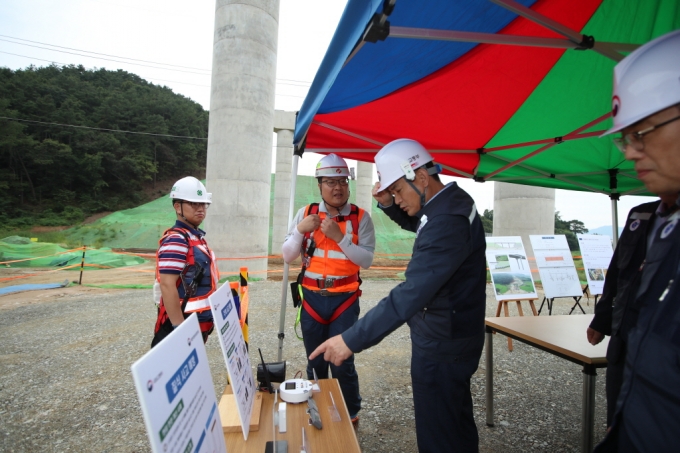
(327, 283)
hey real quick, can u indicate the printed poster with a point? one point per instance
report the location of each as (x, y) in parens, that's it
(509, 268)
(597, 253)
(228, 329)
(556, 266)
(177, 395)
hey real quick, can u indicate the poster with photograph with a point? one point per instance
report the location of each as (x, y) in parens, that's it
(556, 266)
(509, 268)
(177, 395)
(597, 253)
(235, 353)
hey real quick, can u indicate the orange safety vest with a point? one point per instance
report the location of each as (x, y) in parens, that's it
(197, 247)
(329, 268)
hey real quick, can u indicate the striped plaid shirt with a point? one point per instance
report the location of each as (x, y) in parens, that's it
(172, 254)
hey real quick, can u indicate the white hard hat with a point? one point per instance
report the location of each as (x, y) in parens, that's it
(331, 165)
(400, 158)
(190, 189)
(646, 81)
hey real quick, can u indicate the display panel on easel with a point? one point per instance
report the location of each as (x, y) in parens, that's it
(235, 352)
(509, 268)
(597, 253)
(556, 266)
(177, 395)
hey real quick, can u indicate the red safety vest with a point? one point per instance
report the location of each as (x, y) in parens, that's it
(197, 245)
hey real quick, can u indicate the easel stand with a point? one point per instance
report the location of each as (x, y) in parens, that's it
(586, 292)
(504, 304)
(577, 300)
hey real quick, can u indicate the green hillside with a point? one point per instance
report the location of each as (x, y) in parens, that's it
(141, 227)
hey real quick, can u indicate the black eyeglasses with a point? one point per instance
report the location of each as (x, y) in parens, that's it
(196, 204)
(334, 182)
(635, 139)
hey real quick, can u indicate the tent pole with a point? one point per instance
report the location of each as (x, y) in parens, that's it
(615, 220)
(284, 281)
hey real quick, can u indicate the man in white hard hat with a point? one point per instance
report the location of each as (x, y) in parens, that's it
(186, 272)
(646, 111)
(443, 299)
(336, 239)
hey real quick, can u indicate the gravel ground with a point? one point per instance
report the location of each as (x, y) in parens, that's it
(65, 381)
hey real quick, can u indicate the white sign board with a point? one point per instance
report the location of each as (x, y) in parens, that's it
(509, 268)
(597, 253)
(235, 353)
(177, 395)
(556, 266)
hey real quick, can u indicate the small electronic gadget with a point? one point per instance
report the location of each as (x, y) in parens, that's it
(282, 418)
(314, 416)
(295, 390)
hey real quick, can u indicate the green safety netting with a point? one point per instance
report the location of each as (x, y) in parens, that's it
(38, 254)
(141, 227)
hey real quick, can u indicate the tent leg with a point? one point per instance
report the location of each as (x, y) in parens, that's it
(615, 221)
(284, 281)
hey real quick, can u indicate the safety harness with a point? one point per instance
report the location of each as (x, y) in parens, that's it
(189, 277)
(308, 247)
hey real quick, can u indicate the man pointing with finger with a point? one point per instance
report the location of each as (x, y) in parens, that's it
(443, 299)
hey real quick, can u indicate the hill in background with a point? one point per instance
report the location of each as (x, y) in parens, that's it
(141, 227)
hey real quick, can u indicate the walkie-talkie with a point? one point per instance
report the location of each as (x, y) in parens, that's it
(313, 411)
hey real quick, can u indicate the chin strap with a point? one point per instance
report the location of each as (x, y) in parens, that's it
(422, 194)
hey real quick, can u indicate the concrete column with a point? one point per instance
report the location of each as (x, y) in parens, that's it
(284, 125)
(240, 131)
(363, 196)
(520, 210)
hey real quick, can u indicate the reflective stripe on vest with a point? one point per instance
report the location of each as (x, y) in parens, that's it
(200, 302)
(328, 260)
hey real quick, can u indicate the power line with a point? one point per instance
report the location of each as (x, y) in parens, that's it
(292, 82)
(97, 53)
(101, 128)
(158, 80)
(102, 58)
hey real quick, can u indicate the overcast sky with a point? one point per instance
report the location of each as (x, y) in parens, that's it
(171, 44)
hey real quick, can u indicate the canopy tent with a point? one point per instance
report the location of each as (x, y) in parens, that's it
(497, 90)
(522, 107)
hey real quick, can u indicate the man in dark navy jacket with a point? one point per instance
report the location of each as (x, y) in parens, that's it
(646, 111)
(615, 313)
(443, 299)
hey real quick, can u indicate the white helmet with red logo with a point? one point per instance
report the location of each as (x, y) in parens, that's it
(646, 81)
(400, 158)
(332, 165)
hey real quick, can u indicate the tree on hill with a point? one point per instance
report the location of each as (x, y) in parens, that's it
(487, 221)
(48, 169)
(569, 228)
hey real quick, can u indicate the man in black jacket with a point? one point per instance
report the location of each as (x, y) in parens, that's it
(616, 313)
(443, 299)
(646, 111)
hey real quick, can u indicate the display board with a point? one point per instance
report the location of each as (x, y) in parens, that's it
(177, 395)
(509, 268)
(597, 253)
(235, 353)
(556, 266)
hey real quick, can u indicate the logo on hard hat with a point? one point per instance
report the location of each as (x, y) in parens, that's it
(338, 170)
(378, 176)
(616, 105)
(199, 193)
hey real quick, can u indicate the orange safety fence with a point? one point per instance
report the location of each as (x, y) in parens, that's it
(41, 257)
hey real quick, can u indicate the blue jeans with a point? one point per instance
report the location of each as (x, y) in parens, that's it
(443, 405)
(315, 333)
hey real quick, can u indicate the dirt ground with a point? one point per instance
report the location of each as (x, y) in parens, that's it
(141, 274)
